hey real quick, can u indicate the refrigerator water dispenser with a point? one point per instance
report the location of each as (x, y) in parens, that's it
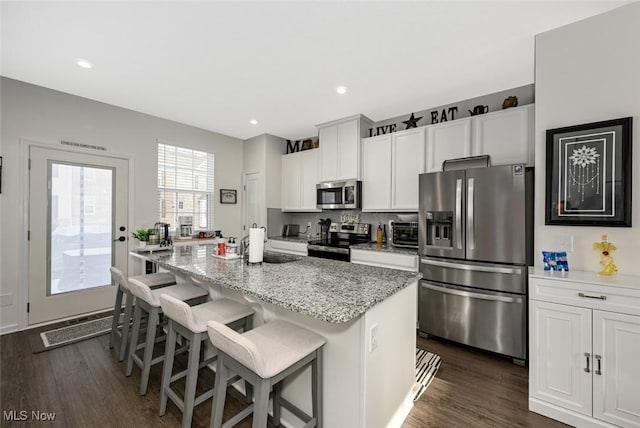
(439, 228)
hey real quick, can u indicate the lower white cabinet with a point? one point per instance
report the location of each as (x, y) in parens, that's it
(400, 261)
(584, 341)
(287, 247)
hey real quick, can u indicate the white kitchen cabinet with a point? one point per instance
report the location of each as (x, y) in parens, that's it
(584, 345)
(390, 167)
(286, 246)
(506, 135)
(299, 179)
(401, 261)
(340, 147)
(448, 140)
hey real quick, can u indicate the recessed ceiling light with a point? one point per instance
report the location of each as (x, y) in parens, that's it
(253, 122)
(83, 63)
(341, 90)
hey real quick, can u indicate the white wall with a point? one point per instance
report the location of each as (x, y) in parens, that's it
(589, 71)
(43, 115)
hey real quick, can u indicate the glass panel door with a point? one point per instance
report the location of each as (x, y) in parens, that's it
(78, 205)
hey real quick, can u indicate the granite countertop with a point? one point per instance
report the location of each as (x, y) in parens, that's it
(328, 290)
(300, 238)
(386, 248)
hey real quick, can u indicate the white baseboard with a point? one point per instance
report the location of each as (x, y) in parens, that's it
(6, 329)
(566, 416)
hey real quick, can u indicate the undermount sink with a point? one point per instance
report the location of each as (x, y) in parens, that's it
(276, 258)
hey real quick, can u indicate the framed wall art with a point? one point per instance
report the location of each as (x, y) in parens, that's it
(588, 174)
(228, 196)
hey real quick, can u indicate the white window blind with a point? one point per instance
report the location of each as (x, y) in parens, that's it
(185, 186)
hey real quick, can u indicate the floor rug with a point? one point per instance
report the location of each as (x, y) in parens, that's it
(69, 334)
(427, 365)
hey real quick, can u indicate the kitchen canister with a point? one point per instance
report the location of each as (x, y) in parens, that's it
(256, 244)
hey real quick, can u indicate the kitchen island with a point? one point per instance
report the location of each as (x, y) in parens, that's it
(367, 315)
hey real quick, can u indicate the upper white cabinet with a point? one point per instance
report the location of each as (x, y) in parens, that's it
(584, 344)
(391, 164)
(506, 135)
(448, 140)
(299, 179)
(340, 147)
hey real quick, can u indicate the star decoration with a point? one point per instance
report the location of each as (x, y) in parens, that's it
(412, 122)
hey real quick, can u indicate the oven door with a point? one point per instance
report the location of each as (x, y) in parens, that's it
(325, 252)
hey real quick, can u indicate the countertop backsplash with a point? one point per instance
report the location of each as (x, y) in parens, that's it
(276, 219)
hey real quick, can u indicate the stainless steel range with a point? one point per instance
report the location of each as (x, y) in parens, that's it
(341, 236)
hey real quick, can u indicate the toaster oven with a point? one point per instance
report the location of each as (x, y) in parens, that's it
(404, 234)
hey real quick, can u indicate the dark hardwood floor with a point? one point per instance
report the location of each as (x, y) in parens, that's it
(85, 386)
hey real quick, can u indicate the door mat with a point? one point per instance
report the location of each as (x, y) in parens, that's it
(69, 334)
(427, 365)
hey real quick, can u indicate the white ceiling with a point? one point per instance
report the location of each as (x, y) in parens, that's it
(216, 65)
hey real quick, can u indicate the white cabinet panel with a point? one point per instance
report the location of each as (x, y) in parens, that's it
(328, 138)
(408, 262)
(340, 148)
(376, 173)
(560, 337)
(291, 181)
(299, 179)
(408, 158)
(506, 136)
(449, 140)
(616, 385)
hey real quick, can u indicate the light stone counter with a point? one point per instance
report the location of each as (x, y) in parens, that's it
(386, 248)
(328, 290)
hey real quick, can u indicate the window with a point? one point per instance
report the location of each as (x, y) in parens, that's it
(185, 186)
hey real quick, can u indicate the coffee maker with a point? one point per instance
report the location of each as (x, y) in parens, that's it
(185, 226)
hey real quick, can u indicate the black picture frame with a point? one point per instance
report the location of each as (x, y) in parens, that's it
(228, 196)
(588, 174)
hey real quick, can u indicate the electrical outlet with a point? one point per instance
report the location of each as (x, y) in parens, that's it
(373, 339)
(309, 224)
(564, 243)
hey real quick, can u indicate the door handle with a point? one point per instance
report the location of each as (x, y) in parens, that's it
(599, 369)
(471, 228)
(459, 214)
(476, 268)
(121, 239)
(471, 294)
(587, 355)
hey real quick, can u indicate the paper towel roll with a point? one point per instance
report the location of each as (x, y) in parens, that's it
(256, 244)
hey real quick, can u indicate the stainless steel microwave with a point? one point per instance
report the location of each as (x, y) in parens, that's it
(339, 195)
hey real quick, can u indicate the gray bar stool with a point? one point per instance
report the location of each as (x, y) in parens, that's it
(265, 356)
(190, 322)
(148, 300)
(121, 329)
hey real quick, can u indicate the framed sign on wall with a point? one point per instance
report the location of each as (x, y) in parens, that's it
(588, 174)
(228, 196)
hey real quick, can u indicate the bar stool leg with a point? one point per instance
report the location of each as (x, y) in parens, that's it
(316, 387)
(148, 350)
(261, 405)
(167, 369)
(137, 314)
(277, 404)
(192, 378)
(128, 308)
(220, 392)
(117, 307)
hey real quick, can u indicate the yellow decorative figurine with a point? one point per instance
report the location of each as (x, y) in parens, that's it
(606, 260)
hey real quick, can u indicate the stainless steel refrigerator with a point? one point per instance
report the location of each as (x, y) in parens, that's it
(475, 243)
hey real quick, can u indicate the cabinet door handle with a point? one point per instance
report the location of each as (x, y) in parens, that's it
(599, 370)
(592, 297)
(588, 355)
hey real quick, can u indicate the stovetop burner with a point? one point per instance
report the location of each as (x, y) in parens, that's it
(341, 237)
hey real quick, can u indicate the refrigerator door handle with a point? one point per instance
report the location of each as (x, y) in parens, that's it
(477, 268)
(459, 214)
(471, 228)
(471, 294)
